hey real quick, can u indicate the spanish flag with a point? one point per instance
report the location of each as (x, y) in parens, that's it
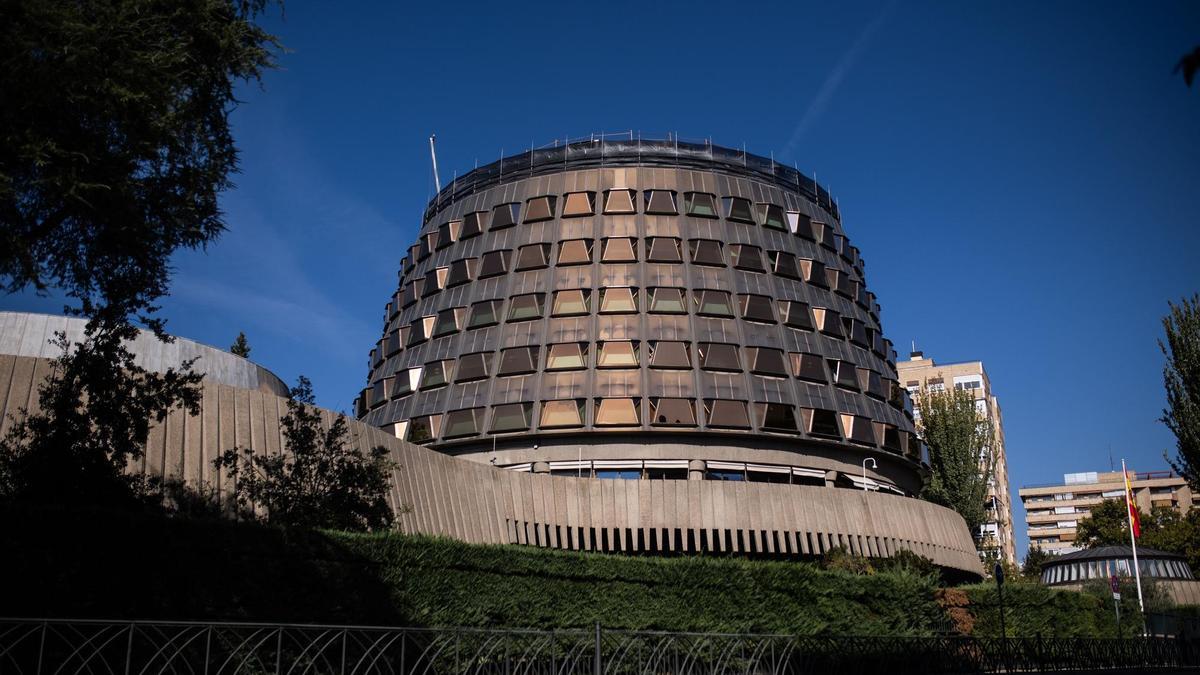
(1135, 520)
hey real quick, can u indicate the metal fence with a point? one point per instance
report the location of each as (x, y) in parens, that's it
(143, 648)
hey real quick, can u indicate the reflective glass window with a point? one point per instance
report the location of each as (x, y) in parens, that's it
(611, 412)
(738, 209)
(579, 204)
(725, 414)
(617, 354)
(712, 303)
(511, 417)
(518, 360)
(718, 356)
(670, 354)
(505, 215)
(844, 374)
(660, 203)
(771, 215)
(746, 257)
(667, 301)
(618, 250)
(706, 252)
(618, 300)
(575, 252)
(795, 314)
(424, 429)
(486, 313)
(567, 356)
(618, 202)
(784, 264)
(539, 208)
(533, 256)
(562, 414)
(462, 271)
(571, 302)
(473, 224)
(823, 422)
(757, 308)
(776, 416)
(663, 250)
(448, 233)
(814, 272)
(800, 225)
(460, 423)
(494, 263)
(473, 366)
(809, 367)
(526, 307)
(672, 412)
(767, 361)
(828, 321)
(448, 321)
(437, 374)
(700, 204)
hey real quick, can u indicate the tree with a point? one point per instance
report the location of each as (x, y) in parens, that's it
(1181, 376)
(322, 480)
(959, 441)
(1031, 570)
(1163, 528)
(240, 346)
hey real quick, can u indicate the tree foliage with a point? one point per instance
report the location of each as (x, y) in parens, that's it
(321, 480)
(1181, 376)
(1035, 557)
(240, 346)
(1163, 528)
(959, 440)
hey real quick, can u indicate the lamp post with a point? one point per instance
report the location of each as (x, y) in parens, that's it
(874, 465)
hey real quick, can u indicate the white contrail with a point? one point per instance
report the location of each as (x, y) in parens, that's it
(831, 83)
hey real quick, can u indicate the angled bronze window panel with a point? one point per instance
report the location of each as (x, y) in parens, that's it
(706, 252)
(511, 417)
(533, 257)
(617, 412)
(738, 209)
(857, 331)
(424, 429)
(828, 321)
(380, 390)
(672, 412)
(701, 204)
(618, 301)
(407, 381)
(575, 252)
(800, 225)
(473, 367)
(619, 250)
(670, 354)
(486, 313)
(505, 215)
(784, 264)
(437, 374)
(435, 280)
(725, 414)
(526, 307)
(844, 285)
(746, 257)
(663, 250)
(414, 252)
(814, 272)
(561, 414)
(872, 383)
(712, 303)
(494, 263)
(473, 224)
(448, 321)
(412, 291)
(718, 356)
(826, 234)
(617, 354)
(404, 335)
(843, 247)
(573, 302)
(823, 422)
(391, 345)
(448, 233)
(771, 216)
(860, 430)
(844, 374)
(462, 271)
(757, 308)
(407, 263)
(539, 208)
(794, 314)
(420, 329)
(568, 356)
(465, 422)
(660, 203)
(619, 202)
(578, 204)
(809, 367)
(667, 301)
(767, 361)
(517, 361)
(431, 240)
(423, 248)
(776, 416)
(891, 439)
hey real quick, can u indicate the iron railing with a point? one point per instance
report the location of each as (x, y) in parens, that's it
(34, 647)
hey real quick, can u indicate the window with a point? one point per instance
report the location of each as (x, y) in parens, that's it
(465, 422)
(757, 308)
(539, 208)
(424, 429)
(486, 313)
(567, 356)
(617, 412)
(784, 264)
(775, 416)
(437, 374)
(809, 367)
(435, 280)
(828, 321)
(725, 475)
(845, 286)
(571, 303)
(857, 331)
(618, 474)
(472, 225)
(746, 257)
(617, 354)
(448, 233)
(473, 367)
(618, 250)
(526, 307)
(712, 303)
(617, 202)
(578, 204)
(821, 422)
(700, 204)
(767, 361)
(844, 374)
(505, 215)
(667, 354)
(814, 272)
(725, 414)
(406, 381)
(449, 321)
(494, 263)
(562, 414)
(660, 203)
(663, 250)
(891, 439)
(858, 429)
(420, 330)
(672, 412)
(618, 301)
(706, 252)
(412, 291)
(738, 209)
(794, 314)
(518, 360)
(718, 356)
(511, 417)
(667, 301)
(462, 271)
(800, 225)
(826, 236)
(533, 256)
(871, 382)
(575, 252)
(771, 216)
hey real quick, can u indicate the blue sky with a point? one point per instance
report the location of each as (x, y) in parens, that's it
(1022, 179)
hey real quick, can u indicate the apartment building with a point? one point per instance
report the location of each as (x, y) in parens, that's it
(995, 538)
(1052, 512)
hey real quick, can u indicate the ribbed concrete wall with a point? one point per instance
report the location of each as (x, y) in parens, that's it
(477, 503)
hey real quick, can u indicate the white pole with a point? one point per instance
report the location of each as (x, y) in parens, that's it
(1130, 505)
(437, 181)
(864, 465)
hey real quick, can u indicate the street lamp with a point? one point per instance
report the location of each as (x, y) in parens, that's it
(873, 466)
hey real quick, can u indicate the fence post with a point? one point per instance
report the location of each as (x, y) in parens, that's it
(597, 667)
(129, 649)
(42, 646)
(279, 652)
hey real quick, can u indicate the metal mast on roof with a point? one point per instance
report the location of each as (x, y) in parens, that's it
(437, 182)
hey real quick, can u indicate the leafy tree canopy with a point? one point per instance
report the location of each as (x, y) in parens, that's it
(1163, 528)
(240, 346)
(1031, 570)
(959, 440)
(1181, 376)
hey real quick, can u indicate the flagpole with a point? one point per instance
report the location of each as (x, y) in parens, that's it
(1130, 506)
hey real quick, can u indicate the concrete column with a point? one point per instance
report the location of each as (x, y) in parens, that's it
(541, 467)
(830, 478)
(696, 469)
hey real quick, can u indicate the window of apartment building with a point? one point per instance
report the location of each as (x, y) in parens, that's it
(800, 224)
(775, 416)
(663, 250)
(612, 412)
(494, 263)
(760, 308)
(562, 414)
(617, 354)
(571, 303)
(660, 203)
(726, 414)
(619, 202)
(465, 422)
(533, 257)
(712, 303)
(505, 215)
(473, 366)
(540, 208)
(672, 412)
(485, 313)
(706, 252)
(784, 264)
(670, 354)
(701, 204)
(526, 307)
(511, 417)
(575, 252)
(618, 250)
(579, 204)
(767, 361)
(746, 257)
(472, 225)
(618, 301)
(771, 216)
(667, 301)
(738, 209)
(518, 360)
(568, 356)
(718, 356)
